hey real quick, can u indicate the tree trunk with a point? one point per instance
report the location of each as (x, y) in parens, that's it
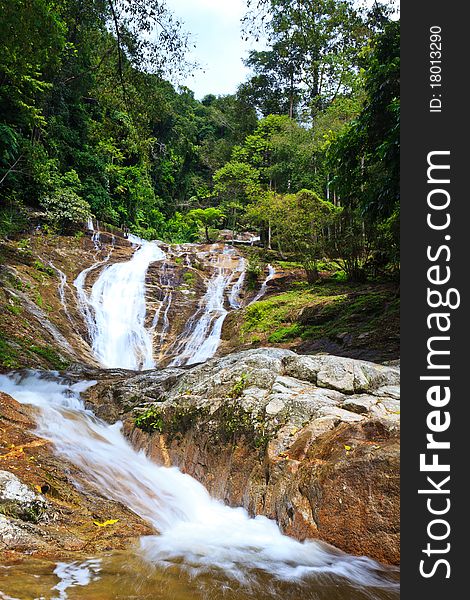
(312, 274)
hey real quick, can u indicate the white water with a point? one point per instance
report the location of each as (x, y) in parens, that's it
(203, 331)
(264, 286)
(234, 296)
(61, 288)
(115, 310)
(196, 531)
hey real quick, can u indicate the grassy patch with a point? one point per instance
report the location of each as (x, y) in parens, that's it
(9, 356)
(39, 266)
(324, 310)
(52, 357)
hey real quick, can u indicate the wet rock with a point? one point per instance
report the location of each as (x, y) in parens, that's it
(306, 440)
(46, 507)
(18, 501)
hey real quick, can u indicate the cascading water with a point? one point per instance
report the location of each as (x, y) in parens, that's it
(203, 331)
(197, 533)
(115, 310)
(61, 288)
(234, 296)
(264, 286)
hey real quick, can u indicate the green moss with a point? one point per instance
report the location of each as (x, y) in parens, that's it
(229, 423)
(239, 386)
(189, 278)
(38, 299)
(284, 334)
(30, 513)
(52, 357)
(14, 309)
(39, 266)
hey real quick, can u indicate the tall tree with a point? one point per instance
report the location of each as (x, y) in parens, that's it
(316, 43)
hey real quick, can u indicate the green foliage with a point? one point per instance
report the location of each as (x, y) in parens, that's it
(239, 386)
(254, 269)
(207, 218)
(39, 266)
(189, 278)
(89, 125)
(370, 314)
(13, 217)
(65, 210)
(365, 160)
(151, 420)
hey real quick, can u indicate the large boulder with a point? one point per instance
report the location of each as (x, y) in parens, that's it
(311, 441)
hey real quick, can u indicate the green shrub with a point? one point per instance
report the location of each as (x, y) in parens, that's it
(65, 210)
(151, 420)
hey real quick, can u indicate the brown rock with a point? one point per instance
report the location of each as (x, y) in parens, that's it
(65, 524)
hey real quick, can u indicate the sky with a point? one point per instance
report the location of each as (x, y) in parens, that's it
(215, 29)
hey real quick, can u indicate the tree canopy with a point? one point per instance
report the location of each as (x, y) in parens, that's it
(92, 122)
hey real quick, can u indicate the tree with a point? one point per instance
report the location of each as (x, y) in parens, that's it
(299, 225)
(206, 217)
(314, 47)
(236, 184)
(365, 156)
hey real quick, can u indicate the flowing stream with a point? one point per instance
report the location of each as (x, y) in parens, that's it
(201, 548)
(264, 286)
(197, 534)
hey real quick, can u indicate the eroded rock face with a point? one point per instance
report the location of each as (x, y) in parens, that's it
(311, 441)
(46, 508)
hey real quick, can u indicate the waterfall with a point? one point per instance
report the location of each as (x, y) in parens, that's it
(204, 329)
(201, 336)
(197, 532)
(115, 309)
(234, 296)
(264, 286)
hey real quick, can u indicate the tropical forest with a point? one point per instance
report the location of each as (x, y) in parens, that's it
(199, 302)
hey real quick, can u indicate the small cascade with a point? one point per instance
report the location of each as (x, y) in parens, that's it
(234, 296)
(196, 532)
(163, 307)
(61, 288)
(201, 336)
(96, 239)
(264, 286)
